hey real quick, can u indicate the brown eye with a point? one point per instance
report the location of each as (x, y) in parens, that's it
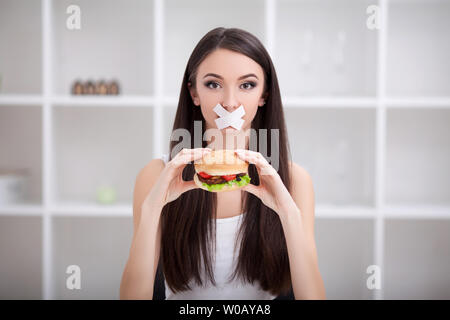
(250, 86)
(207, 84)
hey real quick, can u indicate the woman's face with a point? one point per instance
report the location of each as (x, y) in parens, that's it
(231, 79)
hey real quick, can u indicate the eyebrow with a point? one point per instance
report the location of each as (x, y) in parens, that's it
(240, 78)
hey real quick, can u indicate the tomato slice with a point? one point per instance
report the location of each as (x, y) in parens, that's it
(229, 177)
(204, 175)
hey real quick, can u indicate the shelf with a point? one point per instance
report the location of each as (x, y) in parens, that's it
(104, 101)
(327, 102)
(21, 210)
(21, 100)
(323, 211)
(92, 209)
(418, 102)
(344, 212)
(417, 212)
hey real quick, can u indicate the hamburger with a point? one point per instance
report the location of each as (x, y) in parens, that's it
(221, 170)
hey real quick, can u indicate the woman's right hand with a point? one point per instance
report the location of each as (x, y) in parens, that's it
(170, 184)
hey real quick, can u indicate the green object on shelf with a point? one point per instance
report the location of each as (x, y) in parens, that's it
(106, 195)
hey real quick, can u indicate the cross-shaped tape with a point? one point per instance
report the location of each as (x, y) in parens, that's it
(229, 119)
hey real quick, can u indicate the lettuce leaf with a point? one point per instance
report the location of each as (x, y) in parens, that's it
(244, 181)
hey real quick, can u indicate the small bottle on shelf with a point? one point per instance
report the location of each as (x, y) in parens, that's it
(113, 88)
(89, 87)
(101, 88)
(77, 88)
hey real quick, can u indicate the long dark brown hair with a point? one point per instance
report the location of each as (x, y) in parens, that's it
(188, 224)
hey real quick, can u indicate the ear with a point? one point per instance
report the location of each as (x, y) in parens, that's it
(263, 99)
(193, 93)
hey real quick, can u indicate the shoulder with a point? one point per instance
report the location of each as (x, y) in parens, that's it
(154, 166)
(148, 175)
(302, 192)
(299, 175)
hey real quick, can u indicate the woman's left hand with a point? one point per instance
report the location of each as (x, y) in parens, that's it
(271, 189)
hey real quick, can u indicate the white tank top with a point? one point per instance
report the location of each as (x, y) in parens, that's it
(223, 267)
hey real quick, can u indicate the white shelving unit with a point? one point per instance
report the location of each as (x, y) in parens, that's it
(369, 114)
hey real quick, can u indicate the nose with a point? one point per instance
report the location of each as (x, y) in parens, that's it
(229, 109)
(230, 102)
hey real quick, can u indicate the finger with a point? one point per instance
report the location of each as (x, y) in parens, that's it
(188, 185)
(258, 157)
(243, 154)
(199, 153)
(252, 189)
(263, 167)
(187, 155)
(249, 154)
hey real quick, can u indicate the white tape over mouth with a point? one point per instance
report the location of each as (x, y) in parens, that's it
(229, 119)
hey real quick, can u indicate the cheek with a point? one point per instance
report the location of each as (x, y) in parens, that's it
(250, 110)
(209, 114)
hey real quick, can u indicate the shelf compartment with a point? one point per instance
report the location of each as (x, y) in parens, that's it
(100, 247)
(21, 50)
(324, 48)
(416, 259)
(345, 250)
(21, 267)
(107, 46)
(21, 145)
(337, 148)
(417, 157)
(418, 48)
(87, 158)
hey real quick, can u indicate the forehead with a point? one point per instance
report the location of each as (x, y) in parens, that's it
(229, 64)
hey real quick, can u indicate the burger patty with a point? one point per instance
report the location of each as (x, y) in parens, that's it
(217, 179)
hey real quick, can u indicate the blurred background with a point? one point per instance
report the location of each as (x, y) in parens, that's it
(88, 91)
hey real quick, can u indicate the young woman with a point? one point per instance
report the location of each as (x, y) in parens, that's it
(256, 242)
